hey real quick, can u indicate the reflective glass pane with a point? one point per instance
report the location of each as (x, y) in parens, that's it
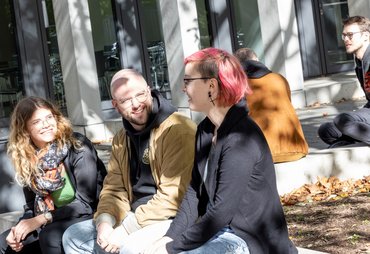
(54, 58)
(106, 48)
(333, 12)
(152, 27)
(247, 26)
(202, 12)
(11, 83)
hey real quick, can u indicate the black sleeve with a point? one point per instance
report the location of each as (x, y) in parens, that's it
(29, 196)
(82, 167)
(188, 211)
(234, 168)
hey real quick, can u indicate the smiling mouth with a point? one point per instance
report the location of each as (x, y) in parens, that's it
(47, 131)
(138, 111)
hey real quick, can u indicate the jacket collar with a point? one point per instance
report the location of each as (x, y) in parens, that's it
(255, 69)
(235, 113)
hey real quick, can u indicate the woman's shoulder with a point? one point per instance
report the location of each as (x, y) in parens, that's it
(82, 138)
(79, 136)
(83, 142)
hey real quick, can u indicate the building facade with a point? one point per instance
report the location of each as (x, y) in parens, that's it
(68, 50)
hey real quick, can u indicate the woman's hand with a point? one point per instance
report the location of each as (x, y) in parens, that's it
(26, 226)
(13, 244)
(159, 246)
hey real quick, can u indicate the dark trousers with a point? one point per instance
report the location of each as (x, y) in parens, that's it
(349, 127)
(48, 240)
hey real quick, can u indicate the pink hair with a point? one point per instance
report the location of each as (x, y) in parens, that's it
(217, 63)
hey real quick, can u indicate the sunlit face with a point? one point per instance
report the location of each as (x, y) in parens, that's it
(197, 89)
(42, 127)
(134, 102)
(354, 39)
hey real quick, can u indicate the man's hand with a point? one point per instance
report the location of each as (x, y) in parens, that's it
(103, 231)
(110, 239)
(159, 246)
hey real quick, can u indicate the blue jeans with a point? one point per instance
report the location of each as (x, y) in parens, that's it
(81, 238)
(225, 241)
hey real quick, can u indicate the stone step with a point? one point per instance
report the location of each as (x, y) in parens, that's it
(351, 162)
(328, 89)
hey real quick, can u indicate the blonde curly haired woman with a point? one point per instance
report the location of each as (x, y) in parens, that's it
(59, 171)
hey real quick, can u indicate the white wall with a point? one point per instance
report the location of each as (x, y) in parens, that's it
(78, 67)
(281, 44)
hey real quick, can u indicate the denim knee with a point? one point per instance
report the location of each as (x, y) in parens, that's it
(80, 238)
(222, 242)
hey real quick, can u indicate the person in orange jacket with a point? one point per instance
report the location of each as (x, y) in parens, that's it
(271, 108)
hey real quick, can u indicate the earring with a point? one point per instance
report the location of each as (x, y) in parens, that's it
(210, 98)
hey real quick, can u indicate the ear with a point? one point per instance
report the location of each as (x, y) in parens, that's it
(213, 83)
(114, 103)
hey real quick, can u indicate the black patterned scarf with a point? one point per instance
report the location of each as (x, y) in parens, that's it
(49, 178)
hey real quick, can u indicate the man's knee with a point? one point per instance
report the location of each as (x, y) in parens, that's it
(323, 129)
(328, 132)
(79, 235)
(344, 119)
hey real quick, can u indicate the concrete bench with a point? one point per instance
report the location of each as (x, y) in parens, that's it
(351, 162)
(7, 220)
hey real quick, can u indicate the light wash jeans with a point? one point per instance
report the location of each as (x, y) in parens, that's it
(80, 238)
(224, 242)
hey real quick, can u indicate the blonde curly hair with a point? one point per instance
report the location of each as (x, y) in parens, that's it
(21, 149)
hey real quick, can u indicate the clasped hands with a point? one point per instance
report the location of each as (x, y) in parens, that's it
(19, 232)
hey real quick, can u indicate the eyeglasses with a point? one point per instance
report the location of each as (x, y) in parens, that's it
(39, 123)
(140, 97)
(349, 35)
(188, 80)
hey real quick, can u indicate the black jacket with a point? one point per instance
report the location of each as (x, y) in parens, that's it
(363, 74)
(84, 169)
(239, 191)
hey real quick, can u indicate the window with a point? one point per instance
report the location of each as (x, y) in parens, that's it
(11, 83)
(106, 47)
(247, 26)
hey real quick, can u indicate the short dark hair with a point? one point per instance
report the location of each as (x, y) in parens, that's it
(244, 54)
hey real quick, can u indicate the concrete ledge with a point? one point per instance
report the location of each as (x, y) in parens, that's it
(332, 88)
(307, 251)
(344, 163)
(7, 220)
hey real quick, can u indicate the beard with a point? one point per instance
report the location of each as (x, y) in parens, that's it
(138, 121)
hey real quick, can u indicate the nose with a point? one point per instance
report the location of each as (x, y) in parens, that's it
(135, 103)
(45, 123)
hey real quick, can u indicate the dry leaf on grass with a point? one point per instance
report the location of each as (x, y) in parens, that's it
(326, 189)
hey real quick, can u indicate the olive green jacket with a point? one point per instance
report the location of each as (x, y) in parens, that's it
(171, 155)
